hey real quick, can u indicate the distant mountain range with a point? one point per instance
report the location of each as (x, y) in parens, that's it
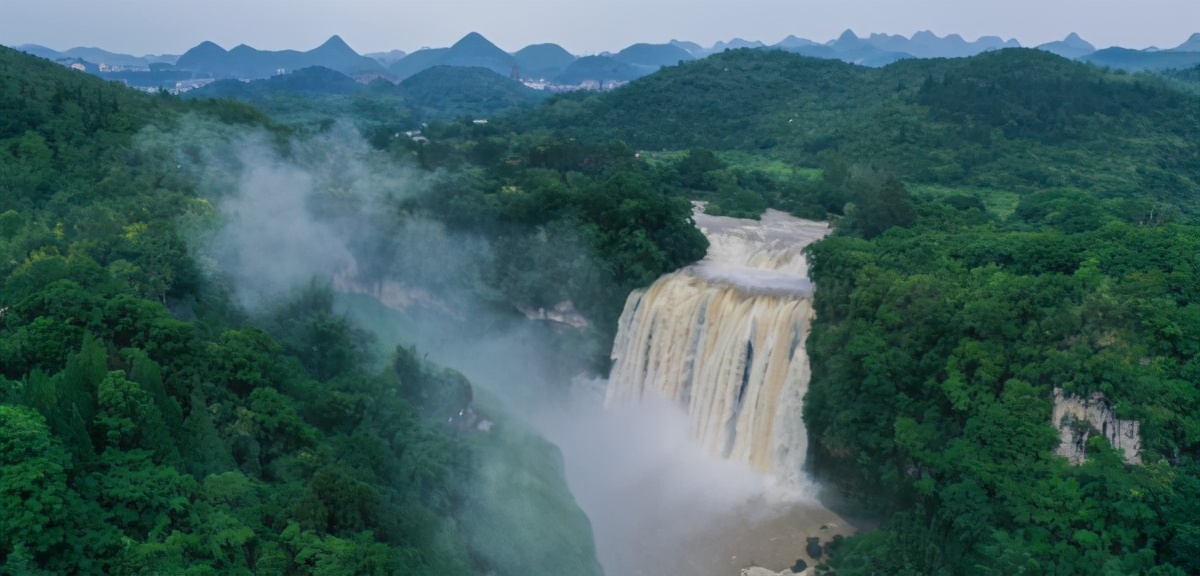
(883, 49)
(542, 60)
(97, 56)
(386, 58)
(246, 62)
(599, 69)
(1071, 47)
(1140, 60)
(1185, 55)
(552, 64)
(437, 92)
(472, 51)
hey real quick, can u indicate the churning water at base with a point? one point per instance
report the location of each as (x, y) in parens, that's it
(724, 339)
(660, 505)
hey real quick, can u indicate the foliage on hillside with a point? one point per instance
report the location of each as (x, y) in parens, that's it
(147, 427)
(454, 91)
(938, 341)
(600, 69)
(1188, 78)
(1017, 120)
(313, 99)
(1138, 60)
(566, 220)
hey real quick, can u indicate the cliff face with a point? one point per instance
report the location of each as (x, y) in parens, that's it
(1078, 418)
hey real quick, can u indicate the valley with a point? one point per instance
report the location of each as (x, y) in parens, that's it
(675, 309)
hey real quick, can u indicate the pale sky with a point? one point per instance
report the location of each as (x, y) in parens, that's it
(583, 27)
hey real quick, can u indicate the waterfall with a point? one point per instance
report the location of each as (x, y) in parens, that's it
(724, 338)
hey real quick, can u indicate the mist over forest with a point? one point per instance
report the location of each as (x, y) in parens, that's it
(853, 308)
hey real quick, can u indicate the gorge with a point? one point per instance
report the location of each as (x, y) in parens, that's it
(693, 464)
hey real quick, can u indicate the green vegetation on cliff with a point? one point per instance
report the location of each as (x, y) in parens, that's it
(935, 353)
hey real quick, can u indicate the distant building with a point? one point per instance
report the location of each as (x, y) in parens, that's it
(186, 85)
(595, 85)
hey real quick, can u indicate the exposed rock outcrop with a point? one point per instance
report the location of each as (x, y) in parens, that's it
(1078, 418)
(390, 293)
(562, 313)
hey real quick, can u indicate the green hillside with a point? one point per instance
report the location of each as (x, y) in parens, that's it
(473, 50)
(1138, 60)
(1190, 77)
(452, 91)
(600, 69)
(314, 98)
(1015, 120)
(313, 81)
(148, 425)
(653, 55)
(542, 60)
(417, 61)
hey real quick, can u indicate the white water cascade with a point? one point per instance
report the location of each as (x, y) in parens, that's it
(724, 338)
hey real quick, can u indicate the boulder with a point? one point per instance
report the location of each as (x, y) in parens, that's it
(813, 548)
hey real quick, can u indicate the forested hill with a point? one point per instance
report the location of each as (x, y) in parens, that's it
(314, 98)
(148, 426)
(1012, 119)
(1189, 76)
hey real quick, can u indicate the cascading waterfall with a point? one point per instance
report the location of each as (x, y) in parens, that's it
(724, 338)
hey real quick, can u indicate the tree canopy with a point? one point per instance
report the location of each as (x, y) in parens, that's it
(149, 425)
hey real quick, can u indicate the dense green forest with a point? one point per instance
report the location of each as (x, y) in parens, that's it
(935, 353)
(1010, 121)
(150, 425)
(1188, 78)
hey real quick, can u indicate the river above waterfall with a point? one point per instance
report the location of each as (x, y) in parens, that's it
(758, 256)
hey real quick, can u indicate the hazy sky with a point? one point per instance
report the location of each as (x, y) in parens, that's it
(581, 26)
